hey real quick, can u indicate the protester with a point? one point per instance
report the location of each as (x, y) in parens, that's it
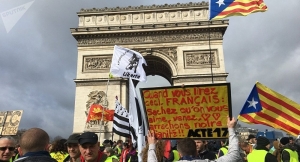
(90, 149)
(111, 157)
(107, 143)
(59, 150)
(118, 148)
(124, 152)
(291, 140)
(159, 151)
(277, 150)
(246, 147)
(16, 153)
(187, 147)
(224, 149)
(252, 140)
(289, 151)
(73, 148)
(261, 151)
(114, 145)
(203, 152)
(34, 146)
(173, 153)
(7, 148)
(130, 155)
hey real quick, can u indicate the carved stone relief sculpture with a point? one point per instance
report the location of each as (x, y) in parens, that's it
(96, 97)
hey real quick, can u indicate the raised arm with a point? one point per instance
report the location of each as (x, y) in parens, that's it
(151, 151)
(233, 154)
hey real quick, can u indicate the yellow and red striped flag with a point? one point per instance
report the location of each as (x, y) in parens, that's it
(267, 107)
(96, 111)
(219, 9)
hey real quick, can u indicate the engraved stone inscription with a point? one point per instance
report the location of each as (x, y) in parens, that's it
(201, 58)
(95, 63)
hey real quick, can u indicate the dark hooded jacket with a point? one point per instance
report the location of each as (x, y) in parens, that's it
(42, 156)
(285, 155)
(207, 155)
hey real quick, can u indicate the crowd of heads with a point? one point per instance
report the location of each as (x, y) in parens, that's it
(87, 146)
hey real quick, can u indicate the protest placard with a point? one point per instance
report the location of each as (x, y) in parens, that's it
(196, 111)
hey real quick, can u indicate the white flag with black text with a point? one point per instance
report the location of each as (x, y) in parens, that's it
(127, 63)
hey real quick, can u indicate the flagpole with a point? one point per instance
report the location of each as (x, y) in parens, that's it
(105, 100)
(210, 53)
(112, 129)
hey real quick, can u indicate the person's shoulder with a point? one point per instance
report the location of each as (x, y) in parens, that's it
(36, 158)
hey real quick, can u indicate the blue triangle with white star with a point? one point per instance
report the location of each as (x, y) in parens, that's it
(217, 6)
(252, 105)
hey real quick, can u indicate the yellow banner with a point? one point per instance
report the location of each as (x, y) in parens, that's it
(198, 111)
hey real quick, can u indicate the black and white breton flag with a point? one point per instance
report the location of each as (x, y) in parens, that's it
(121, 121)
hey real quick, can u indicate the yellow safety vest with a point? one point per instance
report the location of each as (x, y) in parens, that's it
(58, 156)
(16, 157)
(224, 149)
(119, 150)
(176, 155)
(257, 156)
(293, 155)
(110, 158)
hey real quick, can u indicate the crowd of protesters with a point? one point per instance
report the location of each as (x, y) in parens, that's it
(34, 146)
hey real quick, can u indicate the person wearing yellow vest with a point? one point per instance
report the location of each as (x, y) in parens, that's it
(289, 153)
(59, 150)
(224, 149)
(261, 151)
(118, 148)
(247, 148)
(111, 157)
(173, 156)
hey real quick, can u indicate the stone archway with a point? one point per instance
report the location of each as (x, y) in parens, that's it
(158, 67)
(177, 41)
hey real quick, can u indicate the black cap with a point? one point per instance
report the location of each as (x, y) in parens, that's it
(250, 137)
(262, 141)
(73, 138)
(88, 137)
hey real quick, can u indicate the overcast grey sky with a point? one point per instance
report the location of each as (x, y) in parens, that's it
(38, 57)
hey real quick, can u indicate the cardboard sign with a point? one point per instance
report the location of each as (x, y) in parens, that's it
(197, 111)
(12, 122)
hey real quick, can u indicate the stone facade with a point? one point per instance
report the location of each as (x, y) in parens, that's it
(177, 41)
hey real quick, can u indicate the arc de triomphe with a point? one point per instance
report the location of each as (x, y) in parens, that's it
(174, 40)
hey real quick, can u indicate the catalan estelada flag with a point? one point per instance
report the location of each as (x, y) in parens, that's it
(219, 9)
(267, 107)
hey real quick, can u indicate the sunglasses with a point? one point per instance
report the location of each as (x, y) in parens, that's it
(5, 148)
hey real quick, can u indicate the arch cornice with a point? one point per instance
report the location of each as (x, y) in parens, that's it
(149, 37)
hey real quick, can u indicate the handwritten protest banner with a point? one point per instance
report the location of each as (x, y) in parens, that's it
(197, 111)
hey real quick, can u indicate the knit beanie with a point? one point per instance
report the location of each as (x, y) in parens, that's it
(284, 140)
(262, 141)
